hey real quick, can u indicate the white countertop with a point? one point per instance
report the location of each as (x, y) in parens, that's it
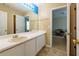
(6, 43)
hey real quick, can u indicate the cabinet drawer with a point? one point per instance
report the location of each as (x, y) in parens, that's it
(16, 51)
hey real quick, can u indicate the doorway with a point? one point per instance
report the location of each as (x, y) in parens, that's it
(59, 29)
(71, 29)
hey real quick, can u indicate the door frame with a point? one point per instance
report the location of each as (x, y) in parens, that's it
(68, 25)
(77, 36)
(14, 18)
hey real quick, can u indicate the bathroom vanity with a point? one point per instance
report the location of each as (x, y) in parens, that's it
(24, 44)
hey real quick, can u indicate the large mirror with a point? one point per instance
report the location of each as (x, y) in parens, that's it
(21, 24)
(17, 18)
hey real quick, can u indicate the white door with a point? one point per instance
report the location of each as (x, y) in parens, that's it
(3, 23)
(20, 24)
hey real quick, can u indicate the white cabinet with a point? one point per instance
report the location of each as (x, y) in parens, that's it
(40, 42)
(33, 46)
(42, 37)
(30, 48)
(16, 51)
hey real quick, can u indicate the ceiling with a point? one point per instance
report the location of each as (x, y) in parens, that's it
(17, 6)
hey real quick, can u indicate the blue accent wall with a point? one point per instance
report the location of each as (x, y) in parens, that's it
(60, 19)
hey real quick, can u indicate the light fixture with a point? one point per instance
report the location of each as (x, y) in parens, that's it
(32, 7)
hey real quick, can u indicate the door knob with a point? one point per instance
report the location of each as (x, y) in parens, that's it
(75, 41)
(69, 33)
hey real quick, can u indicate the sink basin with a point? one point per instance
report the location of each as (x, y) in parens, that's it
(17, 39)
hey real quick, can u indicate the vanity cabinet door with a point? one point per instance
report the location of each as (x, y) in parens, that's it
(42, 37)
(30, 48)
(40, 42)
(16, 51)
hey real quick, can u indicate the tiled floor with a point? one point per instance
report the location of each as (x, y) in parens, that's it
(58, 50)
